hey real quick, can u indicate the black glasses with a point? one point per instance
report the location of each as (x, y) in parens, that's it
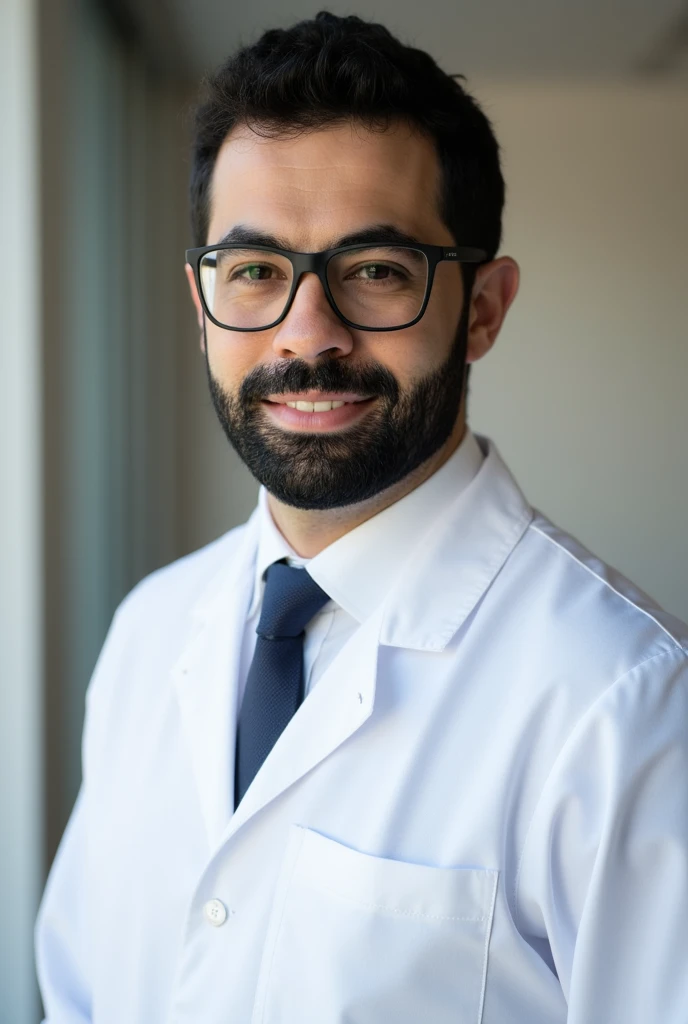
(383, 287)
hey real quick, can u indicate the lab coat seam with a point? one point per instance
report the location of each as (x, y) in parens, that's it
(606, 583)
(383, 908)
(641, 664)
(578, 728)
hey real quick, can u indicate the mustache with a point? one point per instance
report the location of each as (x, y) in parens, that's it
(331, 375)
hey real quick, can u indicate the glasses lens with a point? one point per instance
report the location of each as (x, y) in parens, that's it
(245, 287)
(380, 286)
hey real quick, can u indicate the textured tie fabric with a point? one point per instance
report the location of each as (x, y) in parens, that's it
(274, 687)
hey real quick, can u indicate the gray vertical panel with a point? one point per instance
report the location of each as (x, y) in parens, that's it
(56, 26)
(135, 339)
(114, 233)
(20, 515)
(90, 539)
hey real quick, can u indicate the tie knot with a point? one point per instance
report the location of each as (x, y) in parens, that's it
(291, 599)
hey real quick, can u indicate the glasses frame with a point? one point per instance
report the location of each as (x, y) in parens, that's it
(317, 262)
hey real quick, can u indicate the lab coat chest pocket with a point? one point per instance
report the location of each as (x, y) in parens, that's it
(356, 939)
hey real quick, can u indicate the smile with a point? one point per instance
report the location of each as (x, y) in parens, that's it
(315, 415)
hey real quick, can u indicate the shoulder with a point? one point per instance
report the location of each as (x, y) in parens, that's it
(158, 613)
(594, 604)
(150, 628)
(182, 582)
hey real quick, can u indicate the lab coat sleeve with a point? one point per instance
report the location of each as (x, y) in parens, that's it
(604, 871)
(64, 938)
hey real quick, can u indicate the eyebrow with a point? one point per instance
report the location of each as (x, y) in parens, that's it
(245, 234)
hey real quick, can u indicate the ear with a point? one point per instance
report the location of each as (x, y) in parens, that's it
(188, 270)
(494, 289)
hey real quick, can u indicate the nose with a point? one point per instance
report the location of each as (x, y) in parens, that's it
(311, 327)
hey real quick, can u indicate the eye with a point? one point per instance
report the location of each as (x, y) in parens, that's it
(253, 272)
(376, 272)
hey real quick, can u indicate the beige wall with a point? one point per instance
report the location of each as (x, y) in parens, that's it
(585, 393)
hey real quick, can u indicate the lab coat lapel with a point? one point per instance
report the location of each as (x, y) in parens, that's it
(206, 678)
(457, 560)
(332, 712)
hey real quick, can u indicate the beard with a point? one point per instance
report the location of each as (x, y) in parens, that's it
(331, 470)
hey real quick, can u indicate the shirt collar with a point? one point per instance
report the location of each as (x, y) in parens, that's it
(357, 570)
(272, 546)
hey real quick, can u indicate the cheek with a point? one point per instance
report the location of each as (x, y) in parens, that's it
(411, 354)
(446, 298)
(414, 352)
(431, 339)
(233, 354)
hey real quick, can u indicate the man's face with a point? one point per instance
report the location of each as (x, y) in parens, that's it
(402, 388)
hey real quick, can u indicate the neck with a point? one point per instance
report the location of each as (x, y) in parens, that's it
(309, 531)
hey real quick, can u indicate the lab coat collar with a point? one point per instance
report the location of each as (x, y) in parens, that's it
(429, 557)
(359, 570)
(457, 559)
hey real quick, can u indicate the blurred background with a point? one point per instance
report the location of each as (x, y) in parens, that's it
(111, 463)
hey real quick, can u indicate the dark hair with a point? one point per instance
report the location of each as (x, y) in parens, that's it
(329, 70)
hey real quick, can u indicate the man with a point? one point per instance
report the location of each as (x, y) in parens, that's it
(397, 749)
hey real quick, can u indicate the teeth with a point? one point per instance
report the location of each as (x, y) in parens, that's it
(315, 406)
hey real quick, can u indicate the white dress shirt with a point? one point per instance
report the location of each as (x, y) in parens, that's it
(357, 570)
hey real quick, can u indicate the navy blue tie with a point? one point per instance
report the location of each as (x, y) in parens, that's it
(274, 687)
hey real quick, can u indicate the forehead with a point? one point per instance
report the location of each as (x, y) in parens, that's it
(327, 183)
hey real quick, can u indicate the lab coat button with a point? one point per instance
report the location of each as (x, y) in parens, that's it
(215, 912)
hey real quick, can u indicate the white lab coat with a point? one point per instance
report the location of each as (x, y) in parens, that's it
(479, 814)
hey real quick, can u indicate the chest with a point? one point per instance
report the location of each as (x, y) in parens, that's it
(389, 861)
